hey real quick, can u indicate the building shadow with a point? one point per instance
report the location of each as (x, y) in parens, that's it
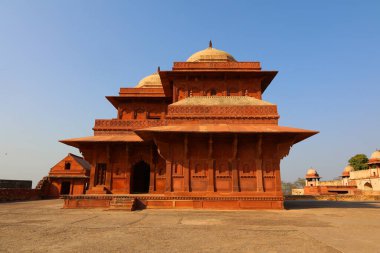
(310, 204)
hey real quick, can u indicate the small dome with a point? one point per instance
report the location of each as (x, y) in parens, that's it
(348, 168)
(211, 54)
(375, 155)
(152, 81)
(311, 171)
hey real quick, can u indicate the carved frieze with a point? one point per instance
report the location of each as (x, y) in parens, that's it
(268, 111)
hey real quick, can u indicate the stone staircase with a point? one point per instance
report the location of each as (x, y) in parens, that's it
(122, 204)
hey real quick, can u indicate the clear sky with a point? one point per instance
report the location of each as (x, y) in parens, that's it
(59, 59)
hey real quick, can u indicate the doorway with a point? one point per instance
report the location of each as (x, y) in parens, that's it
(140, 178)
(65, 188)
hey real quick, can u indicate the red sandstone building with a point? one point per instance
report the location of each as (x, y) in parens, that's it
(361, 182)
(196, 136)
(68, 177)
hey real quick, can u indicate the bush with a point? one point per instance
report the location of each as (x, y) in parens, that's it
(359, 162)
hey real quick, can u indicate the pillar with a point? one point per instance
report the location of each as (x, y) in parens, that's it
(260, 165)
(211, 167)
(93, 168)
(168, 176)
(186, 165)
(277, 174)
(152, 174)
(127, 170)
(186, 175)
(234, 166)
(211, 176)
(235, 176)
(109, 169)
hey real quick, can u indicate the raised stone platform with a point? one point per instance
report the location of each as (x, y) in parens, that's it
(155, 201)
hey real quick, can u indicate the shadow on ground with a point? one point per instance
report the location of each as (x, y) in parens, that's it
(308, 204)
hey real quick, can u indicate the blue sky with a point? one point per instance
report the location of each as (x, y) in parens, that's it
(58, 59)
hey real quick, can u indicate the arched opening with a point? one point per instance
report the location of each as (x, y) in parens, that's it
(140, 113)
(367, 186)
(140, 178)
(65, 188)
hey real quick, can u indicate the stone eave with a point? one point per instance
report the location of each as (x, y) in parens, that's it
(296, 134)
(76, 142)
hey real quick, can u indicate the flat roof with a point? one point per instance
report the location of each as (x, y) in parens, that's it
(75, 142)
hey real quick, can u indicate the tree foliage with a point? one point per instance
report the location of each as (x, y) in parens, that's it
(359, 162)
(288, 186)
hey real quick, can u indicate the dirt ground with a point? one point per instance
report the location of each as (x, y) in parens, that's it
(306, 226)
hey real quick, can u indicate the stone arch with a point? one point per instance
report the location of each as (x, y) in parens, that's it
(368, 186)
(212, 92)
(140, 113)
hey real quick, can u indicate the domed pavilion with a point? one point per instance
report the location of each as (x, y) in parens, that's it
(312, 177)
(374, 160)
(347, 170)
(196, 136)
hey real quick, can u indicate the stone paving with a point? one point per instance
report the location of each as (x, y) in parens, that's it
(306, 226)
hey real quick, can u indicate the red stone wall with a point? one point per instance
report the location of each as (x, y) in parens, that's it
(18, 194)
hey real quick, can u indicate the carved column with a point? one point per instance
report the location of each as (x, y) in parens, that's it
(93, 168)
(186, 164)
(234, 165)
(277, 174)
(127, 170)
(169, 170)
(109, 168)
(168, 183)
(71, 187)
(260, 165)
(152, 170)
(211, 167)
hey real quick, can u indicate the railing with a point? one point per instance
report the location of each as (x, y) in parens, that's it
(116, 124)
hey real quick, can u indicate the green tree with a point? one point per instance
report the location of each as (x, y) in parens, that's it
(299, 183)
(286, 188)
(359, 162)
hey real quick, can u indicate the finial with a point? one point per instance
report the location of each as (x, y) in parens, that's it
(210, 44)
(158, 69)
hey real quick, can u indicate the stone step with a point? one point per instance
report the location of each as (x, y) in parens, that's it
(122, 204)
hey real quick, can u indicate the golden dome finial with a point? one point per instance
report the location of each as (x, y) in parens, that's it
(210, 44)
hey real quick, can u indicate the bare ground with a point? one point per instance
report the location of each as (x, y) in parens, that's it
(306, 226)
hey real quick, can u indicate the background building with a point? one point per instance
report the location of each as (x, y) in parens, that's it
(360, 182)
(68, 177)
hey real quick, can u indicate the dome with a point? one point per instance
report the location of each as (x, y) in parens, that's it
(348, 168)
(375, 155)
(311, 172)
(152, 81)
(211, 54)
